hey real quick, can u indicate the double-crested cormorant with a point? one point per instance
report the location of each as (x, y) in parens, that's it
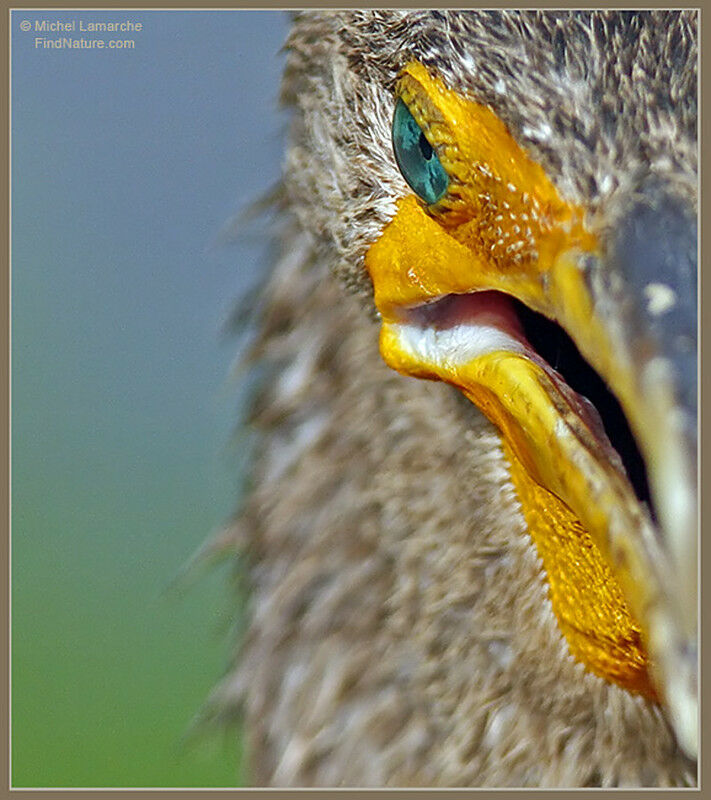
(488, 577)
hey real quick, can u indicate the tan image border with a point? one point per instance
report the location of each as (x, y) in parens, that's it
(705, 435)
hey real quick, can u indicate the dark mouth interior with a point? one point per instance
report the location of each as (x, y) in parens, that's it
(553, 344)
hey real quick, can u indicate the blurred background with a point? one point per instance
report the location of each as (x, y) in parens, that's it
(126, 166)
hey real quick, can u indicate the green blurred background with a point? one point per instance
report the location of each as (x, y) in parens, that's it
(125, 166)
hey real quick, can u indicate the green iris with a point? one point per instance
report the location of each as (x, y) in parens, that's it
(417, 160)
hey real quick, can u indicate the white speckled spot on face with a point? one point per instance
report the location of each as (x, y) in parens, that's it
(660, 298)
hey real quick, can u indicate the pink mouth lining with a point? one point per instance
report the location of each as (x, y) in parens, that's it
(494, 309)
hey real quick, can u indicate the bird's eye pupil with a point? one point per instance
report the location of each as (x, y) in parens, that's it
(416, 158)
(425, 147)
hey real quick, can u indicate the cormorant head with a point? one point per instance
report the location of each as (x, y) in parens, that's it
(514, 195)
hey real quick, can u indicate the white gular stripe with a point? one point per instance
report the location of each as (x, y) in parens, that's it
(456, 345)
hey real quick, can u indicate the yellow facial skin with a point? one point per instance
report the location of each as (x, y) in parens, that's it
(502, 226)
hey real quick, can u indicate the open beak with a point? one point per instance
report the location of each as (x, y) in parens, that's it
(627, 300)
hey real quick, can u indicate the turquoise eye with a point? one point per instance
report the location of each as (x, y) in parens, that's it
(417, 160)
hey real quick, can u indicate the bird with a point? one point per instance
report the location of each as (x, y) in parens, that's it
(469, 536)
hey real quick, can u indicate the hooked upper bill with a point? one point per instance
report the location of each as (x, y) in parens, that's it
(445, 271)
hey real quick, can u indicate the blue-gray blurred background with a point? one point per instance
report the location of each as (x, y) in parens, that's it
(126, 165)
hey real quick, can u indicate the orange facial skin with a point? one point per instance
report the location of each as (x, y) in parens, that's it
(502, 226)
